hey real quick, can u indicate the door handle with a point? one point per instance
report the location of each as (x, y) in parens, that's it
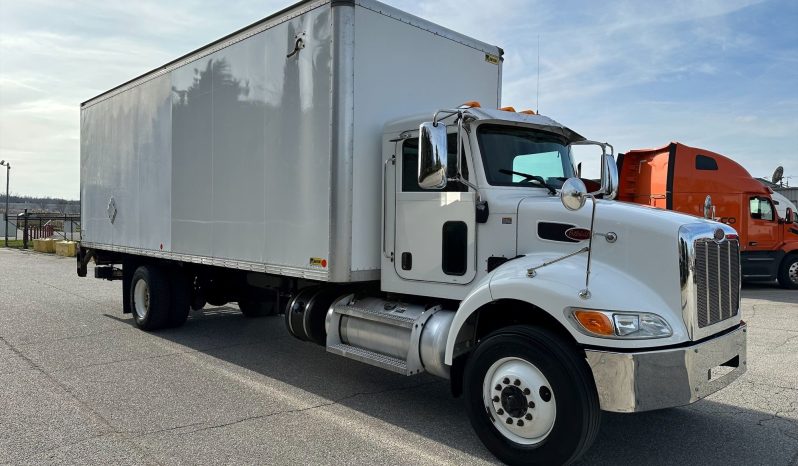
(407, 261)
(752, 243)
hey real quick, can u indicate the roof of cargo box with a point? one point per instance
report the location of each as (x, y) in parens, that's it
(540, 122)
(285, 15)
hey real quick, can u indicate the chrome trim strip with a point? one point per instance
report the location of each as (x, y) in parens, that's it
(286, 270)
(644, 381)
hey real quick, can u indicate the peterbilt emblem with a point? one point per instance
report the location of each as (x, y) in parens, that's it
(719, 235)
(577, 234)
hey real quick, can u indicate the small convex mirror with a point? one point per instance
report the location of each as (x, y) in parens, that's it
(573, 194)
(432, 153)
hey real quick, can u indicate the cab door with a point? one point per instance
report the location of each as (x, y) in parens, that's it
(763, 224)
(435, 230)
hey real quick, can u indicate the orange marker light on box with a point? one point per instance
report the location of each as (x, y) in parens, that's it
(595, 322)
(507, 109)
(527, 112)
(471, 104)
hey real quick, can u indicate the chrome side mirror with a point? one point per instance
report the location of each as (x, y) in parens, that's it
(789, 216)
(573, 194)
(609, 180)
(432, 154)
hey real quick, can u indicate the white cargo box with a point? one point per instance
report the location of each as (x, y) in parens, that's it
(262, 150)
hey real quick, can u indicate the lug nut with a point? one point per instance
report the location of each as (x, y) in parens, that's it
(520, 423)
(527, 391)
(499, 411)
(498, 387)
(517, 382)
(532, 404)
(506, 381)
(495, 399)
(509, 420)
(528, 417)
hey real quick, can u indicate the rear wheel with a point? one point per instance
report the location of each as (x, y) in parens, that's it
(530, 397)
(788, 272)
(149, 297)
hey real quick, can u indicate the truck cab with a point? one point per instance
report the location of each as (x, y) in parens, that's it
(679, 177)
(490, 241)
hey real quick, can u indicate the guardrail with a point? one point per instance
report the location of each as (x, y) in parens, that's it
(46, 225)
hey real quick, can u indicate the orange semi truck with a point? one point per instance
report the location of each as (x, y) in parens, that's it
(695, 181)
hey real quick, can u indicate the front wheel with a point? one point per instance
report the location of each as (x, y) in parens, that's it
(531, 397)
(788, 272)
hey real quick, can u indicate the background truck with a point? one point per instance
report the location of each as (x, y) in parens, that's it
(312, 164)
(679, 177)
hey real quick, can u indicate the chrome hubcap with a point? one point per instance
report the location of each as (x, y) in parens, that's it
(793, 272)
(519, 400)
(141, 298)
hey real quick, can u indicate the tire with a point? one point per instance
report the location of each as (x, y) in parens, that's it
(544, 387)
(181, 298)
(253, 308)
(150, 297)
(788, 272)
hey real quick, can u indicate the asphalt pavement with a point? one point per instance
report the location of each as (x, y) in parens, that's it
(80, 384)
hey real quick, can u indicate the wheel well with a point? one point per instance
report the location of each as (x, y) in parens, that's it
(494, 316)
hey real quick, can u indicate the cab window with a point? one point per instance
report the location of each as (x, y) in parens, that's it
(761, 209)
(410, 166)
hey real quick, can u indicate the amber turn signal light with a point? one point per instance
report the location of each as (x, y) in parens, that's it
(595, 322)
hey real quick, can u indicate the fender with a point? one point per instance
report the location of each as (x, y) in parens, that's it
(791, 246)
(557, 286)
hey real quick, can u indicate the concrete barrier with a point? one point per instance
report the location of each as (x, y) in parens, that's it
(44, 245)
(66, 248)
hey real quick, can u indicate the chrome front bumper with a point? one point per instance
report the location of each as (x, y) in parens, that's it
(631, 382)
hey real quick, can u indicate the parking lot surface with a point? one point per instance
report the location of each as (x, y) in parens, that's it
(80, 384)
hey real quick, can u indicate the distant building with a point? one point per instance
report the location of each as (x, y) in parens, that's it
(790, 194)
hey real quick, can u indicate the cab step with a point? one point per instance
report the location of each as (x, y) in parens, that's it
(369, 357)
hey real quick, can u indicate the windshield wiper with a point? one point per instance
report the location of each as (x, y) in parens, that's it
(529, 177)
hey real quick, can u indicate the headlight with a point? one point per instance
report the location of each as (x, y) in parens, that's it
(620, 325)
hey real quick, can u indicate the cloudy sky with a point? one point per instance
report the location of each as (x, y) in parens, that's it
(718, 74)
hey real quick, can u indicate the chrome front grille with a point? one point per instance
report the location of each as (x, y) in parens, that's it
(717, 280)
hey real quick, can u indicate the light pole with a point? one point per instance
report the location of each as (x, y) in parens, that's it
(8, 170)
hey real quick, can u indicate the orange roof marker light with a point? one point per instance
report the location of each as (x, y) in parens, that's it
(528, 112)
(471, 104)
(507, 109)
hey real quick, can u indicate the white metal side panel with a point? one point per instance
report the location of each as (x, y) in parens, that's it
(401, 70)
(125, 154)
(94, 189)
(154, 162)
(251, 148)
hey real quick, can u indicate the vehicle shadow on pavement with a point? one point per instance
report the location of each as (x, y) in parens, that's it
(704, 433)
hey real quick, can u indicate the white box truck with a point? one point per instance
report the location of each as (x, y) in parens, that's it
(321, 163)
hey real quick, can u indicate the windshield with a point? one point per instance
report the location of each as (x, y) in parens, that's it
(515, 156)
